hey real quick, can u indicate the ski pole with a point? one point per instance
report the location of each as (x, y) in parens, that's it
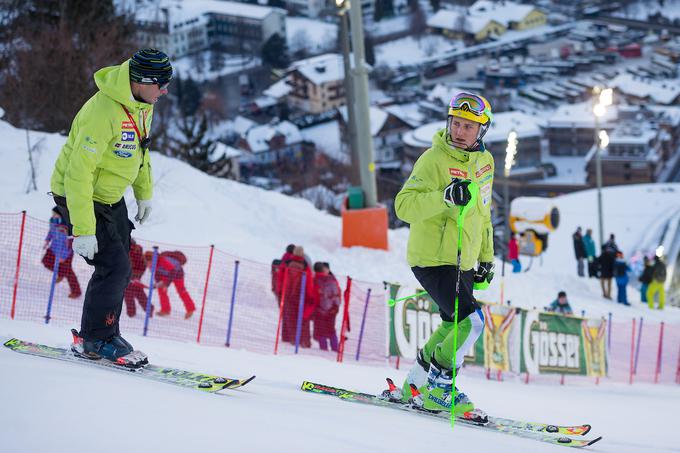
(474, 190)
(391, 302)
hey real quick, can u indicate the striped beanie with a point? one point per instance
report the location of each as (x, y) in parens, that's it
(150, 66)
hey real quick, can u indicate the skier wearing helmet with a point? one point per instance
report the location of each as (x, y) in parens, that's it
(456, 172)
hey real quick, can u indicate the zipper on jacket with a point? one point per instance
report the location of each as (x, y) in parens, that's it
(441, 238)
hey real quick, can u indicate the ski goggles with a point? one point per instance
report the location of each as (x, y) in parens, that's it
(470, 106)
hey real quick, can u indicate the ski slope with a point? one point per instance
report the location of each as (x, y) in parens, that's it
(57, 407)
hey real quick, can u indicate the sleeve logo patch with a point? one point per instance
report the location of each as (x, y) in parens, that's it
(458, 173)
(127, 125)
(483, 170)
(127, 136)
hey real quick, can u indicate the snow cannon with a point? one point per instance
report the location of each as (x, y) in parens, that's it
(533, 218)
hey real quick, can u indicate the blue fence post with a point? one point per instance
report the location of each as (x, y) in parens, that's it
(301, 309)
(233, 299)
(637, 347)
(609, 332)
(55, 273)
(151, 285)
(363, 323)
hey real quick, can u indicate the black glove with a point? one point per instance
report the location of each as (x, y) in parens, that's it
(457, 192)
(484, 273)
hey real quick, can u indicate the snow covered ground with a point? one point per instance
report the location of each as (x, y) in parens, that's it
(409, 51)
(57, 407)
(313, 35)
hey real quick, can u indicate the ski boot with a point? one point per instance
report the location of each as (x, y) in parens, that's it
(417, 376)
(436, 395)
(114, 349)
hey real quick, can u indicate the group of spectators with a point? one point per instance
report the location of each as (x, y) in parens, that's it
(169, 270)
(612, 264)
(296, 281)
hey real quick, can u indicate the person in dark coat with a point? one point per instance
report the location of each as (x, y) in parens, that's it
(513, 254)
(645, 277)
(328, 305)
(290, 287)
(606, 261)
(579, 251)
(135, 291)
(58, 247)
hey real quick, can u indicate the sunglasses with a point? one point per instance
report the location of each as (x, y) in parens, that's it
(468, 102)
(163, 86)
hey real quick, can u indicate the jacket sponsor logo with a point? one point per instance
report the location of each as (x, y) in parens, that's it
(90, 140)
(485, 179)
(458, 173)
(131, 146)
(483, 170)
(90, 149)
(127, 136)
(123, 154)
(127, 125)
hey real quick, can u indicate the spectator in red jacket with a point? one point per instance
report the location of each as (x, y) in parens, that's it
(168, 271)
(277, 271)
(135, 291)
(290, 285)
(513, 254)
(58, 247)
(328, 305)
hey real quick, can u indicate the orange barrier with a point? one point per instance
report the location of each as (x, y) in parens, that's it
(365, 227)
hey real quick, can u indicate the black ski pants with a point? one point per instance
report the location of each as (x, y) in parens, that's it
(104, 295)
(440, 283)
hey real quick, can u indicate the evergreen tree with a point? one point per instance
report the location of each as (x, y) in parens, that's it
(196, 149)
(189, 96)
(49, 51)
(378, 10)
(369, 48)
(275, 52)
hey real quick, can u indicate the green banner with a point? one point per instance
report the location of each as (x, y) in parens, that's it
(551, 344)
(412, 321)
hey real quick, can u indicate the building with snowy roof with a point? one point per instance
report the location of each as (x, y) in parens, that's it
(317, 83)
(640, 147)
(570, 130)
(387, 130)
(485, 19)
(641, 90)
(268, 144)
(186, 27)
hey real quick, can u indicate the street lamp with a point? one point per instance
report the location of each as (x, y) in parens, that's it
(510, 152)
(602, 99)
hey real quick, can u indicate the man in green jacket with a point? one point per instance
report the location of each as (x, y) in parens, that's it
(106, 152)
(431, 201)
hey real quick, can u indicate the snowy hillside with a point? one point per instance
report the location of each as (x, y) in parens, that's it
(191, 208)
(57, 407)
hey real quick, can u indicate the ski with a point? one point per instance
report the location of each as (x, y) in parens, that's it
(538, 431)
(182, 378)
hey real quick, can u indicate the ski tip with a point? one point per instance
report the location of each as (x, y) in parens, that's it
(245, 381)
(597, 439)
(586, 430)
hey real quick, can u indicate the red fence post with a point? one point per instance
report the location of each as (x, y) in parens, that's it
(632, 353)
(283, 301)
(658, 355)
(345, 319)
(205, 294)
(16, 274)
